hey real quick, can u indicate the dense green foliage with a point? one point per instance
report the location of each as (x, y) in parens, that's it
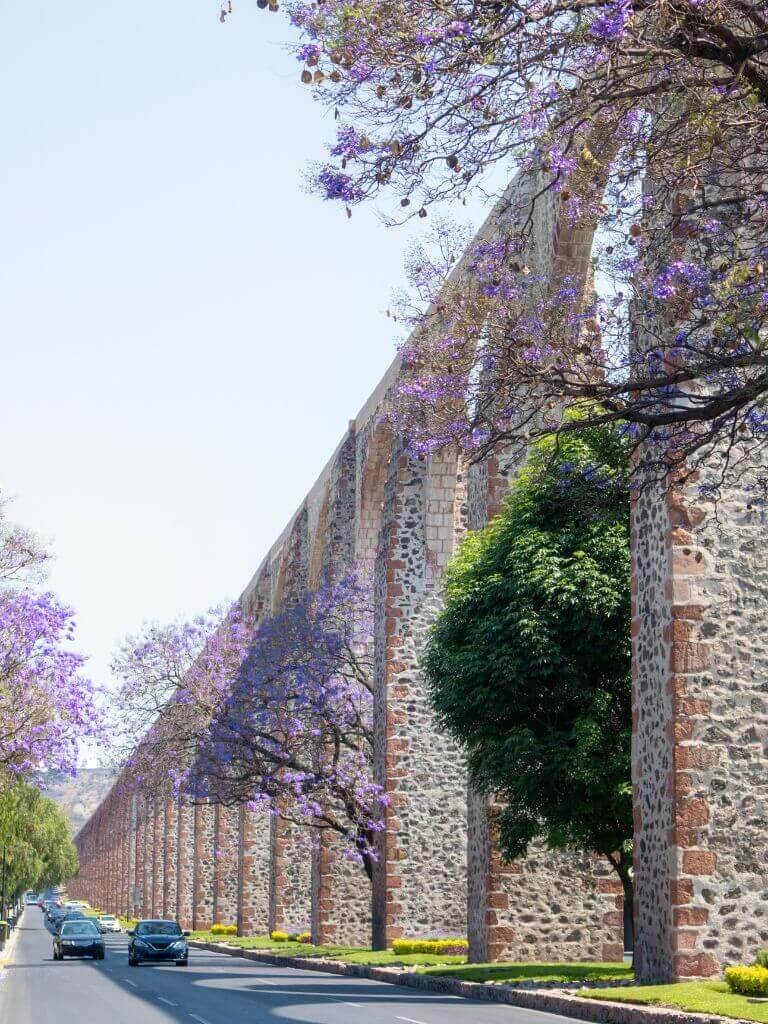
(529, 663)
(35, 837)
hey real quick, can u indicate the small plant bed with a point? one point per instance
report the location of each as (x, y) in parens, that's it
(349, 954)
(693, 996)
(515, 973)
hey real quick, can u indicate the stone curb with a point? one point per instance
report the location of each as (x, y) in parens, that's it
(600, 1012)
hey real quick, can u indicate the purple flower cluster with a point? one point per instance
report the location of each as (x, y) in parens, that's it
(337, 185)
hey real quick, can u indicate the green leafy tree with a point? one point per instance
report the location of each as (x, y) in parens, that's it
(34, 840)
(529, 663)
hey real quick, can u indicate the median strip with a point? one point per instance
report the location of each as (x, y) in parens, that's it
(547, 1000)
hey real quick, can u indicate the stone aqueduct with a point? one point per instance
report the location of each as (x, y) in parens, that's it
(700, 733)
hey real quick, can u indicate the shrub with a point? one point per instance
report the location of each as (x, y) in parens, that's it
(224, 929)
(291, 937)
(762, 957)
(748, 981)
(448, 947)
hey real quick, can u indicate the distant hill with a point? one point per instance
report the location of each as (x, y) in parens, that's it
(78, 797)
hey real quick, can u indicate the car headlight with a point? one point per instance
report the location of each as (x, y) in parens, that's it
(179, 945)
(141, 942)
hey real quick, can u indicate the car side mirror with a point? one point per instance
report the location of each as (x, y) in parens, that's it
(186, 935)
(131, 932)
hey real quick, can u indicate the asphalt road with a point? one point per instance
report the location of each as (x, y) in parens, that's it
(214, 989)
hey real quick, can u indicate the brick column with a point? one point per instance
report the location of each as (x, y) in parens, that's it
(254, 873)
(170, 858)
(420, 881)
(185, 869)
(158, 854)
(148, 858)
(226, 865)
(203, 899)
(290, 881)
(701, 718)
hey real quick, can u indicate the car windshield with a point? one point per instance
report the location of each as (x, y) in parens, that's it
(157, 928)
(78, 928)
(106, 917)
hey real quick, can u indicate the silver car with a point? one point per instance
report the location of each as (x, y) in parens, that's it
(108, 923)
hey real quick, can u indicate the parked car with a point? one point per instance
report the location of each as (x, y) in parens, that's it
(30, 898)
(108, 923)
(78, 938)
(158, 941)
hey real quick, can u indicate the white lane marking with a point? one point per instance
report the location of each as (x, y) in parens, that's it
(167, 1002)
(262, 981)
(410, 1020)
(129, 982)
(201, 1019)
(346, 1002)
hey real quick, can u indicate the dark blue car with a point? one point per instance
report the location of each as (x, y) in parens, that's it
(158, 941)
(78, 938)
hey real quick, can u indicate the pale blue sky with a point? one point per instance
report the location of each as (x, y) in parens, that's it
(186, 332)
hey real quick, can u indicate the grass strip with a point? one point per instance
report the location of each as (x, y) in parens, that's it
(693, 996)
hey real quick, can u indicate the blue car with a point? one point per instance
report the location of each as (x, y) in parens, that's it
(158, 941)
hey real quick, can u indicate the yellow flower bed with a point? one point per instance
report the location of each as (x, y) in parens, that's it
(224, 929)
(403, 947)
(747, 981)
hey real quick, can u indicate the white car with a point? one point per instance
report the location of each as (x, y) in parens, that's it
(109, 923)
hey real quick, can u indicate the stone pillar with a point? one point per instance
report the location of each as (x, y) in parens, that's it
(143, 854)
(420, 880)
(290, 881)
(701, 719)
(253, 888)
(185, 867)
(202, 914)
(341, 895)
(158, 854)
(226, 865)
(170, 858)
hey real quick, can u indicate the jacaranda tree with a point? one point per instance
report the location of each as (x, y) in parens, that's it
(529, 662)
(646, 120)
(273, 713)
(295, 733)
(47, 706)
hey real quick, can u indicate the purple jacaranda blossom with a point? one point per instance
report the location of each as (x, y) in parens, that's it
(337, 185)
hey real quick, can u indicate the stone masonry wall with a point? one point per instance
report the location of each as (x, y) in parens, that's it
(226, 861)
(701, 724)
(254, 864)
(398, 519)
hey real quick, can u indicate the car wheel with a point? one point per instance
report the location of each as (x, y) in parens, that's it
(182, 963)
(132, 962)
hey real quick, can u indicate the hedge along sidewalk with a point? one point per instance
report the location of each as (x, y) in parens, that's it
(550, 1001)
